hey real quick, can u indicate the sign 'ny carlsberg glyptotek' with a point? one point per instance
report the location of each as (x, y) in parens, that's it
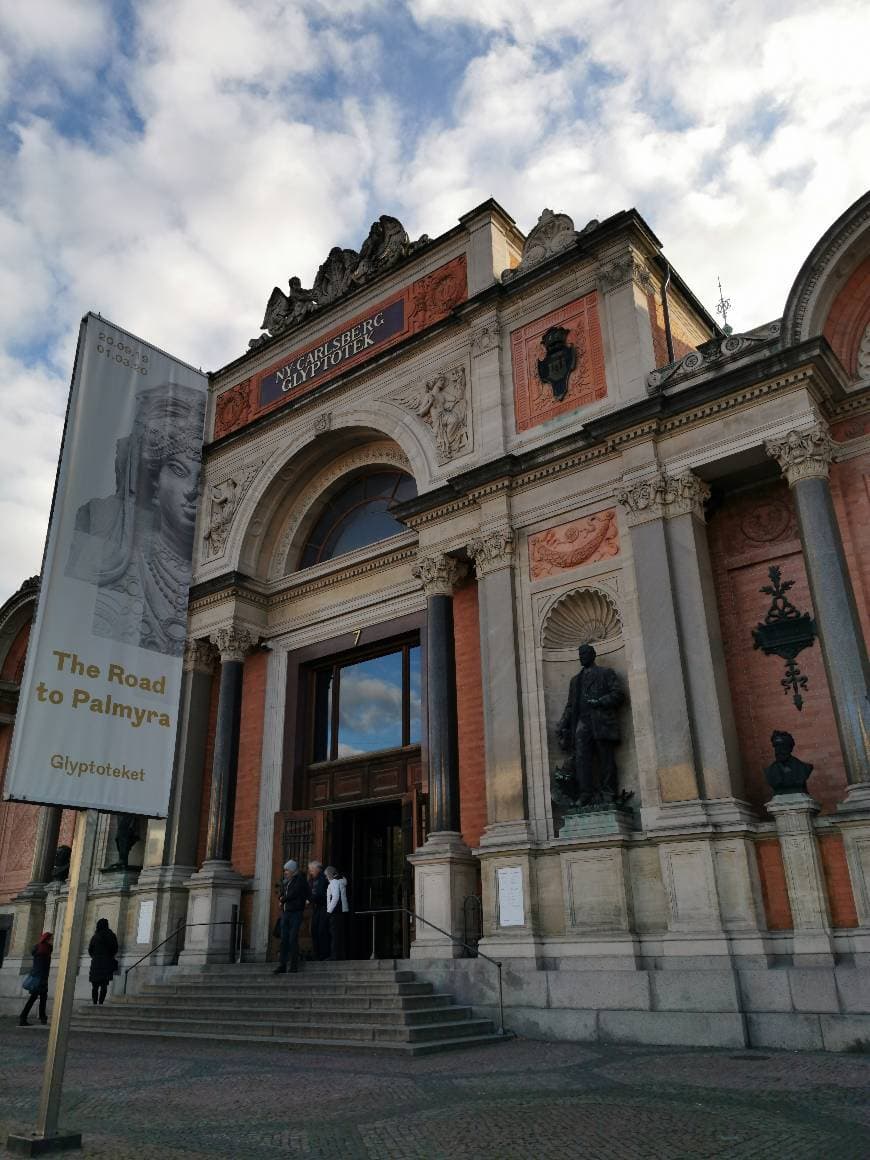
(97, 713)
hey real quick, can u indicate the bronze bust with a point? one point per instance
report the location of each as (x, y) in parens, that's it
(786, 773)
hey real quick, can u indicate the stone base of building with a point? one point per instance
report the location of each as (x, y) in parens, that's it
(809, 1009)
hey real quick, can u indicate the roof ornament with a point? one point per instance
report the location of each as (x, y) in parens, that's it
(554, 233)
(342, 272)
(722, 307)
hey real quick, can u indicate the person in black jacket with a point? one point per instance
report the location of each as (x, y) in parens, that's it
(319, 919)
(40, 969)
(102, 948)
(294, 895)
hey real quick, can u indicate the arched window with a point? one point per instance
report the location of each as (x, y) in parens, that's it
(357, 515)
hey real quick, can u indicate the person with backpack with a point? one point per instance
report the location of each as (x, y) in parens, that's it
(338, 909)
(37, 981)
(102, 948)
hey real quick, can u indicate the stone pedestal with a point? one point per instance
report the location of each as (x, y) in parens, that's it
(793, 814)
(510, 904)
(854, 817)
(215, 896)
(596, 885)
(162, 893)
(596, 824)
(445, 874)
(696, 934)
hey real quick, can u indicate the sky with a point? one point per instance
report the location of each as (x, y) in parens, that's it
(167, 162)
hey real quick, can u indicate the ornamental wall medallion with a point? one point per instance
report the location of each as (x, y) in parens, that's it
(785, 632)
(556, 365)
(582, 541)
(534, 400)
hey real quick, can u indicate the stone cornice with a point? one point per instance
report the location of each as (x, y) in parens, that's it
(663, 496)
(492, 550)
(803, 454)
(439, 574)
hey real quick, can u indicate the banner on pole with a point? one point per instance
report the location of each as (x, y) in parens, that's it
(98, 708)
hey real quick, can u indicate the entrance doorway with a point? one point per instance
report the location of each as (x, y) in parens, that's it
(369, 844)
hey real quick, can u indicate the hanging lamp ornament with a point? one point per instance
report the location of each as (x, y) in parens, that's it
(785, 632)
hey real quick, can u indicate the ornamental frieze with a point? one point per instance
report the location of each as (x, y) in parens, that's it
(582, 541)
(492, 551)
(355, 340)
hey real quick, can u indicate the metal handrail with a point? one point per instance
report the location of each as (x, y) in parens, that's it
(237, 922)
(477, 953)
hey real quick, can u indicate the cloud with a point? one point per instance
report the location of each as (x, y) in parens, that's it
(168, 162)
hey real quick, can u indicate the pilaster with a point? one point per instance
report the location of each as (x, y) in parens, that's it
(805, 882)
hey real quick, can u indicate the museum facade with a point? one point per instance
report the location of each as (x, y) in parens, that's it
(433, 477)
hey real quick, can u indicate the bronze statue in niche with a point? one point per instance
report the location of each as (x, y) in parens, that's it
(589, 731)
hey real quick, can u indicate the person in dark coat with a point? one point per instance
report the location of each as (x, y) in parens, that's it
(319, 919)
(40, 969)
(589, 728)
(294, 895)
(102, 948)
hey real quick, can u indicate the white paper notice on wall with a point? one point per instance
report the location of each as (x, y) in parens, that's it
(146, 920)
(510, 896)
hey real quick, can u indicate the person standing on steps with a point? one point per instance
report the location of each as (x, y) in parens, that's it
(294, 895)
(37, 980)
(317, 886)
(102, 948)
(338, 909)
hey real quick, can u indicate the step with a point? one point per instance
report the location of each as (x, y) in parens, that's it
(288, 985)
(294, 1001)
(290, 1042)
(362, 1032)
(256, 1015)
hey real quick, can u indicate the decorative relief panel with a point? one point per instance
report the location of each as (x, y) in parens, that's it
(442, 404)
(533, 399)
(566, 546)
(224, 500)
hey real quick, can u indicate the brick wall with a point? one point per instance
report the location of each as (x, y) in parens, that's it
(13, 665)
(774, 891)
(849, 317)
(839, 885)
(686, 332)
(469, 697)
(250, 753)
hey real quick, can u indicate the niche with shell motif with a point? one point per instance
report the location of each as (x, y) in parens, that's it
(588, 615)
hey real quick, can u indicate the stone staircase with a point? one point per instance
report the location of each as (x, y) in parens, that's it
(372, 1005)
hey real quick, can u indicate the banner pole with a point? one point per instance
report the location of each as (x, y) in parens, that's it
(46, 1136)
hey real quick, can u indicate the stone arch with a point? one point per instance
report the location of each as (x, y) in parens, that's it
(292, 466)
(15, 615)
(831, 293)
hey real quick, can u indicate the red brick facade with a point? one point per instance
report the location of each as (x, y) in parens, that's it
(850, 317)
(469, 704)
(250, 754)
(773, 887)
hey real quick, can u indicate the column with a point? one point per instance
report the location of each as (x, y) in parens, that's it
(444, 869)
(216, 889)
(506, 800)
(30, 904)
(692, 722)
(45, 848)
(805, 459)
(162, 889)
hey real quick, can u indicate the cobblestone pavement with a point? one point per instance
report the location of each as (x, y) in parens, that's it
(143, 1098)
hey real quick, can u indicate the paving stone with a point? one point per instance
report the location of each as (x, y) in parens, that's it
(159, 1099)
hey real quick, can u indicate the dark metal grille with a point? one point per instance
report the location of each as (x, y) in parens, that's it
(297, 840)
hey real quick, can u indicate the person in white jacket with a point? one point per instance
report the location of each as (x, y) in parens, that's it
(338, 909)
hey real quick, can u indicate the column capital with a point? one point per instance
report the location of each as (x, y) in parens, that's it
(199, 656)
(440, 574)
(234, 642)
(663, 496)
(492, 550)
(803, 454)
